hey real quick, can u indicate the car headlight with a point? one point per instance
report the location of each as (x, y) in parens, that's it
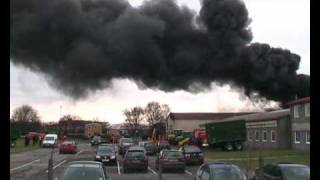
(113, 157)
(98, 157)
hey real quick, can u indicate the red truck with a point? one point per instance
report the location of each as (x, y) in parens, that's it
(201, 136)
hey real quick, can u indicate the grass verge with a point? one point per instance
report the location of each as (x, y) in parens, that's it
(21, 148)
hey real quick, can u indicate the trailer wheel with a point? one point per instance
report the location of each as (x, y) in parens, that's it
(228, 147)
(238, 146)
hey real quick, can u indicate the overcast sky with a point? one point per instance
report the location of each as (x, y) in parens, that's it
(280, 23)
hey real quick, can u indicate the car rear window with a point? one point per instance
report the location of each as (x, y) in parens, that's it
(192, 149)
(172, 154)
(105, 149)
(129, 140)
(96, 138)
(227, 173)
(296, 173)
(49, 138)
(135, 155)
(83, 173)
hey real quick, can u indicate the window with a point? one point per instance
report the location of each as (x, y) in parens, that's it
(264, 136)
(296, 111)
(273, 136)
(257, 136)
(297, 137)
(307, 137)
(307, 109)
(249, 135)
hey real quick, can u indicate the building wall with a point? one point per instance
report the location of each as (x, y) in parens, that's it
(186, 125)
(300, 124)
(281, 128)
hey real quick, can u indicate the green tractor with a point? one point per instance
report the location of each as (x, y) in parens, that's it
(174, 136)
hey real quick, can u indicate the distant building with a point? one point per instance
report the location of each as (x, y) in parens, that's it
(267, 130)
(191, 121)
(300, 126)
(92, 129)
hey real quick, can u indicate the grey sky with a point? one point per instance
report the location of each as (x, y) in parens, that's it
(280, 23)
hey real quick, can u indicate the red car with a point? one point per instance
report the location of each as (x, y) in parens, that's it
(68, 147)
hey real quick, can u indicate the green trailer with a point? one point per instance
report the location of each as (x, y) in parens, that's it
(228, 135)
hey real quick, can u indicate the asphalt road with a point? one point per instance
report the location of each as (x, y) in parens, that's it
(34, 164)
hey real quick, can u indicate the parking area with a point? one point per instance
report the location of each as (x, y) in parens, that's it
(33, 165)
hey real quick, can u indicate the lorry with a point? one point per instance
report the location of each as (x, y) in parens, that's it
(201, 136)
(228, 135)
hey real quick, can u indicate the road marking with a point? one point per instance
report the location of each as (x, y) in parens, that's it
(79, 153)
(152, 171)
(57, 165)
(188, 172)
(24, 165)
(118, 167)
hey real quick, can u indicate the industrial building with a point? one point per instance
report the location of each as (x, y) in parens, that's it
(300, 123)
(191, 121)
(267, 130)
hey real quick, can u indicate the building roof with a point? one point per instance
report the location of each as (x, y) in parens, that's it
(205, 116)
(299, 101)
(262, 116)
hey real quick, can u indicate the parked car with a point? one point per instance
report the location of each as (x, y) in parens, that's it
(96, 140)
(283, 171)
(135, 158)
(219, 171)
(142, 143)
(114, 146)
(50, 140)
(163, 144)
(84, 170)
(192, 154)
(106, 154)
(170, 159)
(68, 147)
(151, 148)
(124, 145)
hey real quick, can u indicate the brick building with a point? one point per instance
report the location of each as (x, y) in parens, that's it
(300, 123)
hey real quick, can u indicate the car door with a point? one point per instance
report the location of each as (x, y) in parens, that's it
(271, 172)
(203, 173)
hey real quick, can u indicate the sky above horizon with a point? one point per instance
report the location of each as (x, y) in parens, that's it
(280, 23)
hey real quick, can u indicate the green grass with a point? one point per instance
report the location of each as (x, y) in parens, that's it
(21, 148)
(241, 158)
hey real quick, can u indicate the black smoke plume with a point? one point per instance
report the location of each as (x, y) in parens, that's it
(82, 44)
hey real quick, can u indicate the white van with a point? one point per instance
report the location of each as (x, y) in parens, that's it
(50, 140)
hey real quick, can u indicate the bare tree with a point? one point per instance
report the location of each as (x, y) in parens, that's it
(25, 113)
(134, 117)
(26, 119)
(156, 113)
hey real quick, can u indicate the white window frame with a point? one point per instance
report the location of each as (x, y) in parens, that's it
(307, 113)
(295, 137)
(296, 111)
(275, 136)
(307, 142)
(255, 135)
(264, 132)
(249, 135)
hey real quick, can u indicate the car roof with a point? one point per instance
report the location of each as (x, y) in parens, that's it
(136, 148)
(86, 162)
(219, 164)
(291, 165)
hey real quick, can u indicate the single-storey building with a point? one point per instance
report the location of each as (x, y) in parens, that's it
(300, 123)
(191, 121)
(267, 130)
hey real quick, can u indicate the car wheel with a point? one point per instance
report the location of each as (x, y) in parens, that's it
(238, 146)
(228, 147)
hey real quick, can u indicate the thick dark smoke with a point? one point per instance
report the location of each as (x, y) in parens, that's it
(82, 44)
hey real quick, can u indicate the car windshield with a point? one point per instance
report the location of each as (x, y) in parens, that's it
(135, 155)
(127, 140)
(83, 173)
(172, 154)
(192, 149)
(105, 150)
(227, 173)
(49, 138)
(96, 138)
(296, 173)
